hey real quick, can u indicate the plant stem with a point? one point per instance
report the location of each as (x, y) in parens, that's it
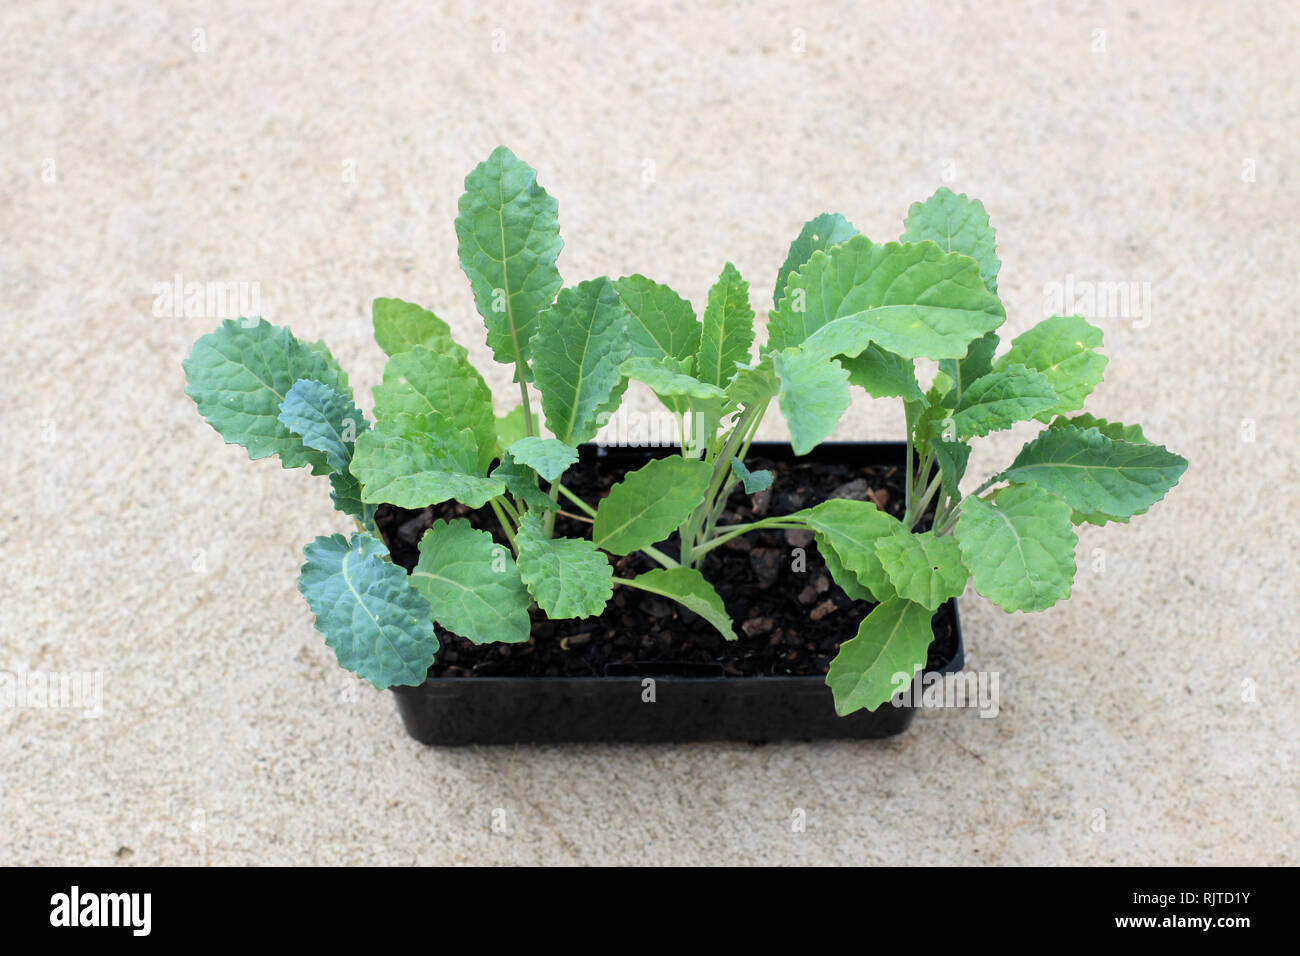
(528, 408)
(575, 499)
(779, 522)
(657, 555)
(911, 517)
(505, 524)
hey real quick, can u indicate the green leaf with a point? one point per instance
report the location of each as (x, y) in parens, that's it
(511, 427)
(956, 224)
(1020, 548)
(817, 234)
(324, 419)
(1096, 474)
(414, 469)
(883, 374)
(844, 578)
(977, 363)
(891, 641)
(1008, 394)
(378, 626)
(580, 343)
(1115, 430)
(346, 495)
(1062, 349)
(546, 456)
(922, 567)
(851, 529)
(728, 329)
(952, 457)
(662, 322)
(472, 584)
(509, 235)
(814, 394)
(239, 376)
(913, 300)
(421, 382)
(521, 482)
(567, 577)
(664, 378)
(401, 326)
(752, 481)
(688, 588)
(754, 385)
(649, 503)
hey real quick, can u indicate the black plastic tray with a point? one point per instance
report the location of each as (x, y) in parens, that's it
(691, 703)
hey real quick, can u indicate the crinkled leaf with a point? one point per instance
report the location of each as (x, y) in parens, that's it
(1019, 548)
(239, 375)
(567, 577)
(883, 374)
(649, 503)
(509, 238)
(922, 567)
(546, 456)
(1062, 349)
(324, 419)
(581, 341)
(413, 469)
(752, 481)
(688, 588)
(844, 578)
(472, 584)
(891, 641)
(728, 329)
(662, 322)
(956, 224)
(1096, 474)
(818, 233)
(814, 394)
(378, 626)
(1113, 430)
(421, 382)
(1008, 394)
(851, 529)
(521, 482)
(400, 326)
(346, 494)
(914, 300)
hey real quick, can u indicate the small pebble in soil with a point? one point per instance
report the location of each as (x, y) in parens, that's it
(821, 610)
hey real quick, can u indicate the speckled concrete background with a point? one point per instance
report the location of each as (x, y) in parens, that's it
(319, 153)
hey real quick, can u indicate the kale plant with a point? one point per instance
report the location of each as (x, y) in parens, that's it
(848, 312)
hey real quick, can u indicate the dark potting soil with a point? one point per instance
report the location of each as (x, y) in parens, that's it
(790, 622)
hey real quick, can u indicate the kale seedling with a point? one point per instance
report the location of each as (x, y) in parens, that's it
(848, 312)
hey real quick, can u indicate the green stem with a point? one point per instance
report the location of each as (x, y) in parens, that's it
(910, 518)
(777, 523)
(505, 524)
(575, 499)
(528, 408)
(659, 556)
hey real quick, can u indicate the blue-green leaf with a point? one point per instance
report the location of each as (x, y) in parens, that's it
(378, 626)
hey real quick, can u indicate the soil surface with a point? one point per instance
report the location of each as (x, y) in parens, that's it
(790, 622)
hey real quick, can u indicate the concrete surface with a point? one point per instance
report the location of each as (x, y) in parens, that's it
(319, 152)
